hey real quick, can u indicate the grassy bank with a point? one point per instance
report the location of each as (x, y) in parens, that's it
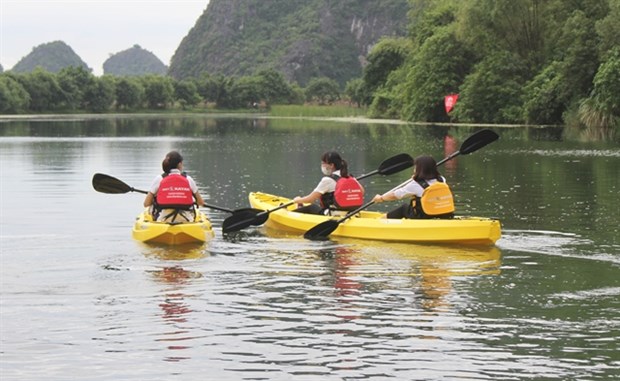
(332, 111)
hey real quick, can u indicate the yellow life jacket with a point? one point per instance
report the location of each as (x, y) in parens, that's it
(436, 201)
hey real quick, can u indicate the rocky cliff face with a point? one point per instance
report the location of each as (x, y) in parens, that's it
(301, 38)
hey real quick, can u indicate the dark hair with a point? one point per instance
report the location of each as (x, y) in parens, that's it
(171, 161)
(333, 157)
(425, 168)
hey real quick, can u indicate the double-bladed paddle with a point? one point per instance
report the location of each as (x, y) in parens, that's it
(107, 184)
(242, 220)
(473, 143)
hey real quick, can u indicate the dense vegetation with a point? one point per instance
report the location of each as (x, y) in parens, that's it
(76, 89)
(134, 61)
(303, 39)
(52, 56)
(511, 61)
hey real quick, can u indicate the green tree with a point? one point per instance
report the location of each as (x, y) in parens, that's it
(216, 89)
(542, 103)
(224, 96)
(492, 93)
(601, 111)
(13, 97)
(567, 79)
(388, 55)
(356, 91)
(158, 91)
(74, 80)
(129, 93)
(100, 94)
(207, 87)
(437, 69)
(186, 92)
(608, 28)
(298, 96)
(274, 88)
(388, 102)
(322, 90)
(245, 92)
(44, 90)
(517, 26)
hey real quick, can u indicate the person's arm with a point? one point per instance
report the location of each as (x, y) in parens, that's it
(410, 189)
(199, 199)
(388, 196)
(150, 197)
(195, 191)
(308, 198)
(327, 184)
(148, 200)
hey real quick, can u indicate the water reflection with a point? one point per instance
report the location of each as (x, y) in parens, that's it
(176, 310)
(361, 266)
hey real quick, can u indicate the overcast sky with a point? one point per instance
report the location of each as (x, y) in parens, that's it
(95, 29)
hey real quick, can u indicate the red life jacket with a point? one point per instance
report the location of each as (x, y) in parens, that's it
(348, 194)
(175, 192)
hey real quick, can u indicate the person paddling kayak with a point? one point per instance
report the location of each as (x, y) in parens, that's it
(431, 196)
(337, 190)
(172, 194)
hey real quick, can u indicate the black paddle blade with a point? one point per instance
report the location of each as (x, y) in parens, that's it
(321, 231)
(477, 141)
(245, 210)
(108, 184)
(396, 164)
(260, 219)
(242, 220)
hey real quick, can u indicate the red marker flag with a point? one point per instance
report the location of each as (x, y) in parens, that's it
(449, 101)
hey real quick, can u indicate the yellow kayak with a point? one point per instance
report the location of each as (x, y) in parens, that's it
(372, 225)
(147, 230)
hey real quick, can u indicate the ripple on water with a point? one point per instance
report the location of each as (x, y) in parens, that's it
(558, 244)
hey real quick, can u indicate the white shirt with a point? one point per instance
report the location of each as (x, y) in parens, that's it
(413, 189)
(327, 184)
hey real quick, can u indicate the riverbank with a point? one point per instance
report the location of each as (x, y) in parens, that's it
(254, 115)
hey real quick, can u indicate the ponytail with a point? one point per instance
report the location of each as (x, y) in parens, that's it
(333, 157)
(171, 161)
(344, 169)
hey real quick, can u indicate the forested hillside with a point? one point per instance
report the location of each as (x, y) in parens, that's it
(518, 61)
(303, 39)
(52, 56)
(134, 61)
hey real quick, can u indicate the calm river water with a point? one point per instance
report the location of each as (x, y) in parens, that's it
(81, 300)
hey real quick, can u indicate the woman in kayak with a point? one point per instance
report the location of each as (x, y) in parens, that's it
(431, 196)
(172, 194)
(337, 190)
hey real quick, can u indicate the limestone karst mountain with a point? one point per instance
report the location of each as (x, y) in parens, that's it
(51, 56)
(303, 39)
(134, 61)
